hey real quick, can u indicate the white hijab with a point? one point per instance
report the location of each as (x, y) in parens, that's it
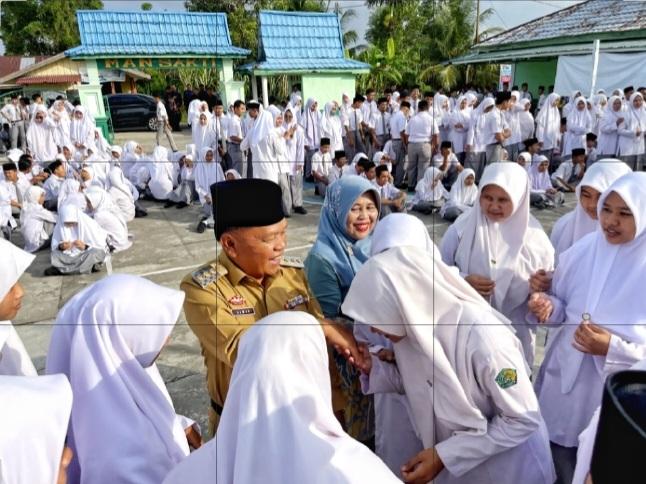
(208, 173)
(32, 216)
(117, 183)
(430, 357)
(40, 138)
(82, 130)
(603, 268)
(576, 224)
(278, 425)
(311, 121)
(549, 115)
(263, 126)
(70, 193)
(14, 359)
(638, 115)
(34, 418)
(581, 118)
(106, 339)
(430, 187)
(519, 245)
(461, 194)
(539, 180)
(85, 229)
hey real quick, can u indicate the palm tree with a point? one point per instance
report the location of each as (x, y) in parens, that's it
(350, 36)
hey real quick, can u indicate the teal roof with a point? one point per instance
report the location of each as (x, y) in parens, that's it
(301, 41)
(109, 33)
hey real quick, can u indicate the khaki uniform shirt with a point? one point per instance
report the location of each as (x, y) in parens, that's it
(222, 302)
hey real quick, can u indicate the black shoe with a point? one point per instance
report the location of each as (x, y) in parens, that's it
(309, 179)
(52, 271)
(181, 205)
(411, 190)
(169, 203)
(140, 213)
(316, 190)
(300, 210)
(201, 227)
(98, 267)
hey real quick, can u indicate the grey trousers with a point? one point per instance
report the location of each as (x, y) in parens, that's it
(164, 129)
(296, 189)
(451, 214)
(398, 162)
(419, 158)
(359, 146)
(513, 150)
(322, 188)
(283, 182)
(476, 161)
(493, 153)
(428, 207)
(564, 462)
(185, 192)
(635, 162)
(237, 157)
(81, 263)
(18, 135)
(308, 161)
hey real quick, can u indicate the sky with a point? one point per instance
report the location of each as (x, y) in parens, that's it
(507, 13)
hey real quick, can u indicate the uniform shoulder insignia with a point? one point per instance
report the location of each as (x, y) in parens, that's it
(205, 276)
(507, 377)
(292, 262)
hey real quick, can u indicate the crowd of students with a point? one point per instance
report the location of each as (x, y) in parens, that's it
(446, 334)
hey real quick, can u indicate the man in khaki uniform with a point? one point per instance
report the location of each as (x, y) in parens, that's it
(249, 280)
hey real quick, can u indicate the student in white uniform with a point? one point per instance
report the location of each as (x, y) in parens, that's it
(14, 359)
(583, 220)
(36, 222)
(466, 379)
(331, 126)
(462, 197)
(392, 199)
(631, 133)
(53, 184)
(570, 172)
(263, 142)
(40, 137)
(612, 118)
(548, 125)
(460, 122)
(396, 439)
(498, 245)
(278, 425)
(235, 137)
(311, 122)
(163, 174)
(322, 162)
(398, 124)
(82, 131)
(542, 193)
(122, 193)
(9, 204)
(422, 134)
(354, 137)
(526, 121)
(496, 130)
(381, 125)
(579, 123)
(430, 194)
(296, 156)
(599, 329)
(448, 163)
(102, 209)
(476, 144)
(32, 441)
(512, 119)
(206, 174)
(106, 340)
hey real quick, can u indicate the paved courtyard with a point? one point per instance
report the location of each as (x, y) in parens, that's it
(165, 249)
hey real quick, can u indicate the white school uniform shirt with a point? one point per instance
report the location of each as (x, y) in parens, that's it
(7, 195)
(608, 140)
(484, 420)
(438, 159)
(322, 163)
(421, 128)
(296, 150)
(565, 171)
(10, 112)
(162, 114)
(235, 128)
(494, 123)
(579, 123)
(355, 118)
(368, 110)
(586, 282)
(513, 122)
(388, 191)
(398, 124)
(381, 123)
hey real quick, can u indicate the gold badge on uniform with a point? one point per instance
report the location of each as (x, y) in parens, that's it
(296, 301)
(237, 300)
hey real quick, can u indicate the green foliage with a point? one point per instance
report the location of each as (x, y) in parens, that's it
(42, 27)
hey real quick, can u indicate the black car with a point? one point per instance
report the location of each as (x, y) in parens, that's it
(133, 112)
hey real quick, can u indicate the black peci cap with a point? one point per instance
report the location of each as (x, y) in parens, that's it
(236, 204)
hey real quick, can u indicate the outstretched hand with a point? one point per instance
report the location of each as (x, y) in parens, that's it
(343, 341)
(422, 468)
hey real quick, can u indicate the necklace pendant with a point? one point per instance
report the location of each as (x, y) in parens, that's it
(585, 317)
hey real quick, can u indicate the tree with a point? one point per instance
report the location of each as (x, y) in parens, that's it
(146, 6)
(42, 27)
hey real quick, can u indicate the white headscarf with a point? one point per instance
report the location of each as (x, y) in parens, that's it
(576, 224)
(233, 172)
(262, 128)
(460, 194)
(548, 122)
(32, 439)
(429, 353)
(70, 193)
(430, 187)
(40, 138)
(399, 230)
(580, 118)
(539, 180)
(202, 135)
(603, 268)
(32, 216)
(85, 229)
(208, 173)
(518, 244)
(14, 359)
(310, 122)
(331, 126)
(106, 339)
(278, 415)
(117, 182)
(638, 115)
(82, 131)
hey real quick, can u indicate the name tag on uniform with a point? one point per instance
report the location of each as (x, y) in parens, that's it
(296, 301)
(243, 311)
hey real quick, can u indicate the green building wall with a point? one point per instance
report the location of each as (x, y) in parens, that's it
(327, 87)
(535, 73)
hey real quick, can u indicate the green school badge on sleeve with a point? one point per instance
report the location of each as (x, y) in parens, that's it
(507, 378)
